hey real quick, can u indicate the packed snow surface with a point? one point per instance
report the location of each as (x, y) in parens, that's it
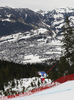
(63, 91)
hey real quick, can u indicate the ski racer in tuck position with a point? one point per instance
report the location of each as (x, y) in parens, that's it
(43, 75)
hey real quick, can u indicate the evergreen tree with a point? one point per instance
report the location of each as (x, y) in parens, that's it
(68, 41)
(63, 68)
(13, 84)
(67, 60)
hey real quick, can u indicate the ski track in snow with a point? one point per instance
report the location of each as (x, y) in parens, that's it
(65, 87)
(42, 94)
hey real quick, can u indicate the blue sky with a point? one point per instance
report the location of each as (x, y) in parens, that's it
(37, 4)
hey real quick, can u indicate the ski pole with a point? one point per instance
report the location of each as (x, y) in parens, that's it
(51, 68)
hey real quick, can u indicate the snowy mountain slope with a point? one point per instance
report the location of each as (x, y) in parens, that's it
(56, 17)
(64, 91)
(22, 20)
(17, 20)
(32, 46)
(37, 34)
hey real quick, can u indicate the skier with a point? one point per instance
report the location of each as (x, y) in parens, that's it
(43, 75)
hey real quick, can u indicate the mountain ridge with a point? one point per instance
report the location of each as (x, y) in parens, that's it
(29, 37)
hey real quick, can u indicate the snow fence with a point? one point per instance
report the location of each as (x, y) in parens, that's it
(52, 84)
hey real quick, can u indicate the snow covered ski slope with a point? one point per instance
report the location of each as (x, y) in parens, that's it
(64, 91)
(60, 89)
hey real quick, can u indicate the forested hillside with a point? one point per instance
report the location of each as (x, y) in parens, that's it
(10, 71)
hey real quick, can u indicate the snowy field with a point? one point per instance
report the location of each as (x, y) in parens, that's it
(63, 91)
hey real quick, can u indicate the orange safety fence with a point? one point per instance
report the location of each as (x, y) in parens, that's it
(65, 78)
